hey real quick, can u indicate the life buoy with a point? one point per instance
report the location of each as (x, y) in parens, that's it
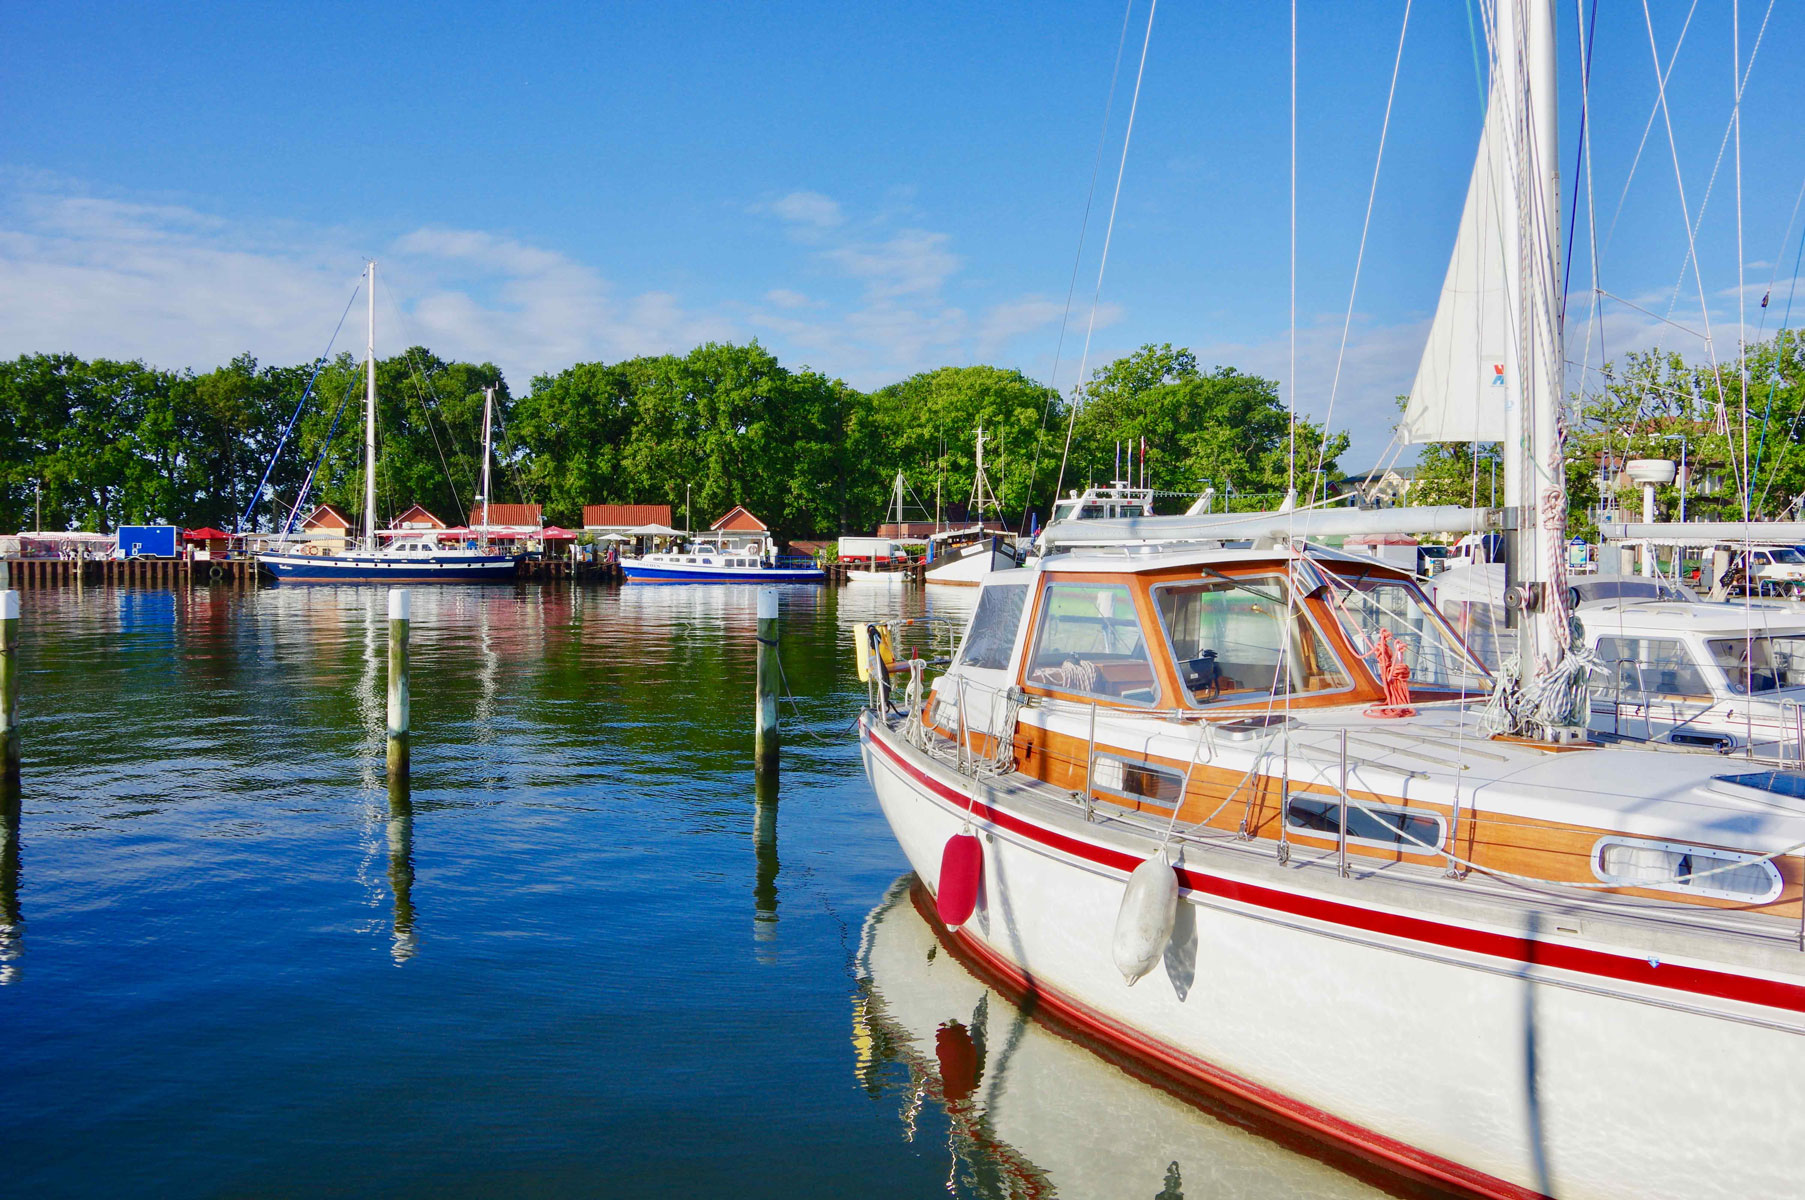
(874, 637)
(216, 573)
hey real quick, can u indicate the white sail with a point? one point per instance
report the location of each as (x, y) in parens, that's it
(1467, 377)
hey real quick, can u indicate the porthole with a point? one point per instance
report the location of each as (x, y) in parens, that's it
(1676, 867)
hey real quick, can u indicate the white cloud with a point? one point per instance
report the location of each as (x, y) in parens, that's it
(911, 262)
(180, 287)
(786, 298)
(808, 208)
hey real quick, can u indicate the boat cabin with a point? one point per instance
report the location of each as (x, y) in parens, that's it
(1104, 503)
(1243, 631)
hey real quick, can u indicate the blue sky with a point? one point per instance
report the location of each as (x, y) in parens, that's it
(869, 190)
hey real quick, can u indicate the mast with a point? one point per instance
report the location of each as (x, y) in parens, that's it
(488, 404)
(899, 501)
(370, 422)
(1535, 477)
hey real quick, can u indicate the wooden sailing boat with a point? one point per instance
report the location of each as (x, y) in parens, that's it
(1259, 819)
(418, 562)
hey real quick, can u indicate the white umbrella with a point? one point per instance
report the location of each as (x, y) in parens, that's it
(654, 531)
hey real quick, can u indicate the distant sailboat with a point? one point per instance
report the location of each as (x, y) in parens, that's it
(415, 561)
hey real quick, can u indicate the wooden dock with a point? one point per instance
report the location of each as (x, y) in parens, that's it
(29, 573)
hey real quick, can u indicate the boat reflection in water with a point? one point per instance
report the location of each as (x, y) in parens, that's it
(1033, 1109)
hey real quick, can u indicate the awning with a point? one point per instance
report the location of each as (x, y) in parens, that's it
(206, 534)
(553, 533)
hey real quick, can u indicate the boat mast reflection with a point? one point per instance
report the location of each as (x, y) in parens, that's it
(1032, 1108)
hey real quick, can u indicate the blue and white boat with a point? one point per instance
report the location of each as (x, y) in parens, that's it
(412, 560)
(422, 563)
(707, 562)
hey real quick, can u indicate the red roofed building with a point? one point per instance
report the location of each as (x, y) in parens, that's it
(604, 519)
(418, 518)
(326, 527)
(740, 530)
(514, 518)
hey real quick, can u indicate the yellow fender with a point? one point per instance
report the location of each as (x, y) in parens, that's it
(861, 649)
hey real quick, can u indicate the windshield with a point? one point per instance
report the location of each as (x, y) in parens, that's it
(1629, 589)
(1434, 654)
(1760, 664)
(1236, 641)
(1787, 554)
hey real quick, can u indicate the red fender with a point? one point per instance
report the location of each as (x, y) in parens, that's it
(961, 870)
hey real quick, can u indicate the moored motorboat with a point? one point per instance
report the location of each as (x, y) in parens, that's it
(709, 562)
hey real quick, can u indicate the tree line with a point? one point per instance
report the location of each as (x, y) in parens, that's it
(97, 444)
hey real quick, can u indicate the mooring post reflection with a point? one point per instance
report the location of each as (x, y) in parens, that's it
(764, 846)
(12, 923)
(9, 687)
(401, 866)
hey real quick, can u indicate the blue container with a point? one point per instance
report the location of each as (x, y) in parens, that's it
(148, 541)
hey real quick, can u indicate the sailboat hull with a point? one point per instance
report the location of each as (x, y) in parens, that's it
(1443, 1048)
(377, 568)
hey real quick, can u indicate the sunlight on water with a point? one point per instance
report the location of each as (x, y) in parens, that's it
(582, 953)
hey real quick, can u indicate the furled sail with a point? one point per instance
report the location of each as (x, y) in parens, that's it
(1466, 379)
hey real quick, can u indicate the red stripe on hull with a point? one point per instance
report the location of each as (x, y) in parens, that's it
(1701, 981)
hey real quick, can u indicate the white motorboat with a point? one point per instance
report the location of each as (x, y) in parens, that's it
(965, 556)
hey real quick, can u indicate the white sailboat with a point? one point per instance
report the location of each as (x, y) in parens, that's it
(414, 561)
(1258, 819)
(964, 556)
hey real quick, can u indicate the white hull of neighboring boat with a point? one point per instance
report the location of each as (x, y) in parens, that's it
(1039, 1107)
(969, 566)
(866, 575)
(1502, 1059)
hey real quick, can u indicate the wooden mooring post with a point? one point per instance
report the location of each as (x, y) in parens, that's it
(765, 747)
(9, 690)
(400, 618)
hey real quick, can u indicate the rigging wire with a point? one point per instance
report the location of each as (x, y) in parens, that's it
(420, 380)
(1588, 40)
(1653, 111)
(1077, 259)
(1322, 449)
(1686, 216)
(1108, 234)
(318, 366)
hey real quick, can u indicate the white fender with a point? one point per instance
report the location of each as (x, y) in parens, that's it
(1144, 922)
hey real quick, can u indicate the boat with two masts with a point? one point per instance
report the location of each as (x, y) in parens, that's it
(416, 559)
(1258, 819)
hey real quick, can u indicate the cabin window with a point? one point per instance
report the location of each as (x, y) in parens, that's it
(991, 638)
(1387, 826)
(1674, 867)
(1090, 643)
(1371, 603)
(1234, 641)
(1137, 780)
(1652, 667)
(1761, 663)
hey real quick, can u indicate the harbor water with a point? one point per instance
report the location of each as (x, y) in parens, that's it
(585, 953)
